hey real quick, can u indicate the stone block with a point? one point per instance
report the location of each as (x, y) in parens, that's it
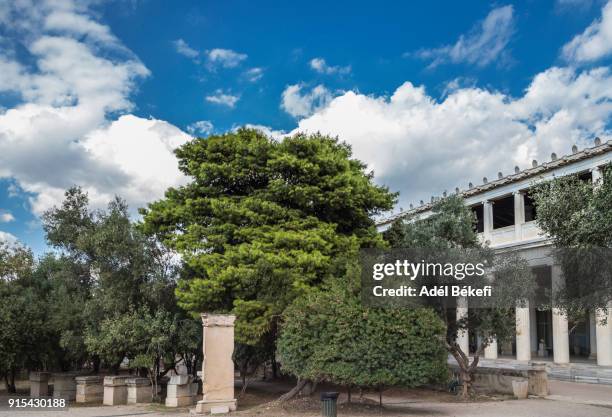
(179, 379)
(64, 386)
(39, 384)
(139, 390)
(179, 390)
(115, 390)
(89, 389)
(520, 388)
(206, 406)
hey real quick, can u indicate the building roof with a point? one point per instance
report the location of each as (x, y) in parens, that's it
(535, 170)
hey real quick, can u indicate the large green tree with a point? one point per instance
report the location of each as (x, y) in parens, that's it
(24, 338)
(262, 222)
(111, 290)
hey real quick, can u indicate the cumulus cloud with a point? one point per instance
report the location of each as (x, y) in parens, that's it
(201, 127)
(65, 128)
(254, 74)
(6, 216)
(420, 146)
(321, 66)
(184, 49)
(225, 58)
(300, 104)
(484, 44)
(223, 98)
(595, 42)
(267, 130)
(6, 237)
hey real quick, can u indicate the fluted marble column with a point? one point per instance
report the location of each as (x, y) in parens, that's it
(523, 333)
(462, 336)
(559, 324)
(604, 337)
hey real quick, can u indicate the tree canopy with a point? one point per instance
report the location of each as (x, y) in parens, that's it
(262, 222)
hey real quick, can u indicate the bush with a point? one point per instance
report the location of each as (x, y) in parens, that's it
(329, 336)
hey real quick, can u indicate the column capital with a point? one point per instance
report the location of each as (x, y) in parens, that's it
(218, 320)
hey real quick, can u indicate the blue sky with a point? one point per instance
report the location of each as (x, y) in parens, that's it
(431, 94)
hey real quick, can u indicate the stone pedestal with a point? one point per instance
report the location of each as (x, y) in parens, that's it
(64, 386)
(179, 391)
(39, 384)
(490, 351)
(115, 390)
(139, 390)
(218, 367)
(89, 389)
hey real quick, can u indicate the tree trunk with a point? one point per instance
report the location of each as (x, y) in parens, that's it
(466, 369)
(380, 396)
(294, 391)
(348, 394)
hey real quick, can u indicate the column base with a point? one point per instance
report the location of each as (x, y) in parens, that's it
(205, 406)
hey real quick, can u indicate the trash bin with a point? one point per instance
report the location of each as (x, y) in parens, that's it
(328, 404)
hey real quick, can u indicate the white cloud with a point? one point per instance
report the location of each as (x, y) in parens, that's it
(595, 42)
(254, 74)
(225, 58)
(268, 131)
(299, 104)
(184, 49)
(422, 146)
(6, 216)
(223, 98)
(201, 127)
(8, 238)
(320, 66)
(64, 130)
(483, 45)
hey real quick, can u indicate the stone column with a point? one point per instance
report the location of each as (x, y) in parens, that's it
(64, 386)
(519, 214)
(217, 366)
(523, 333)
(89, 389)
(462, 336)
(490, 351)
(533, 318)
(559, 324)
(560, 337)
(592, 335)
(604, 337)
(596, 175)
(39, 384)
(487, 219)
